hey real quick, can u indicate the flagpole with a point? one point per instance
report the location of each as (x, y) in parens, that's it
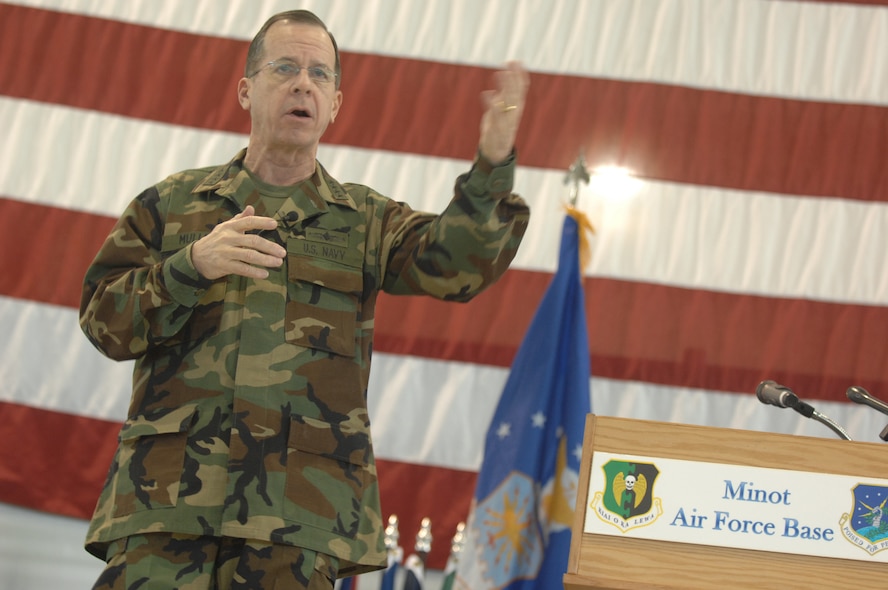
(415, 564)
(394, 553)
(456, 546)
(392, 538)
(424, 539)
(519, 527)
(575, 174)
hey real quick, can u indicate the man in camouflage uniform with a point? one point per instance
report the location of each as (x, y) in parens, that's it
(246, 294)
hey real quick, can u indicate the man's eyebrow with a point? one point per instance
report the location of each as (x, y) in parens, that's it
(310, 65)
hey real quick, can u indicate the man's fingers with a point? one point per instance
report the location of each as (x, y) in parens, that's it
(240, 226)
(243, 223)
(253, 264)
(512, 84)
(503, 109)
(238, 260)
(233, 247)
(263, 247)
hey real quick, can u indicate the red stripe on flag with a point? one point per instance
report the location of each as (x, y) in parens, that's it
(414, 492)
(120, 68)
(58, 462)
(638, 331)
(659, 334)
(47, 251)
(665, 132)
(53, 461)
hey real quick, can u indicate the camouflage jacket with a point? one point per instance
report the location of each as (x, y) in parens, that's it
(248, 415)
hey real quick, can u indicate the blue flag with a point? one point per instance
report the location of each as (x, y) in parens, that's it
(388, 576)
(518, 535)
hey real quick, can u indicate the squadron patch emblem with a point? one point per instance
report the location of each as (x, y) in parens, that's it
(628, 499)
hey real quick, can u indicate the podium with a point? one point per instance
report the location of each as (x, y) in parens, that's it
(625, 560)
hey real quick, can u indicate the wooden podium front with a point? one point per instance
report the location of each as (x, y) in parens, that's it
(623, 562)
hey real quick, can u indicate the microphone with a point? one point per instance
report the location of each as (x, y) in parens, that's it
(774, 394)
(859, 395)
(769, 392)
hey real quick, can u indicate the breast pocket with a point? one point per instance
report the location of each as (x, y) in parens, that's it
(323, 302)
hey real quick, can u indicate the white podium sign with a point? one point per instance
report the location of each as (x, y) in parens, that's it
(796, 512)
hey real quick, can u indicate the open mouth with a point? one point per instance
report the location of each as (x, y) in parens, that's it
(300, 113)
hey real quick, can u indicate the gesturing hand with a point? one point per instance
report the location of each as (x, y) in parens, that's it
(229, 249)
(504, 106)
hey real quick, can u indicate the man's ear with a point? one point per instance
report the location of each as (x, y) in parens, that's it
(337, 103)
(244, 86)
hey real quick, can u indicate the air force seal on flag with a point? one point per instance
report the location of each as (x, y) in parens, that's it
(866, 526)
(628, 499)
(510, 539)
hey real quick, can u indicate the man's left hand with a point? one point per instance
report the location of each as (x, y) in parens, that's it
(503, 109)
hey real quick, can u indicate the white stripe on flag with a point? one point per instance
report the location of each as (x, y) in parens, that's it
(674, 234)
(803, 49)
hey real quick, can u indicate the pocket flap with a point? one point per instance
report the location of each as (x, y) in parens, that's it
(324, 273)
(178, 420)
(328, 440)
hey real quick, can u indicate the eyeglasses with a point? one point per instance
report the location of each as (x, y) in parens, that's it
(284, 69)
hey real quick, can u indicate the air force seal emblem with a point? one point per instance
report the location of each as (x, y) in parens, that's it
(866, 526)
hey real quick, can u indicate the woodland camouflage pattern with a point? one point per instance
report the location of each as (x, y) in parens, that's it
(160, 560)
(248, 417)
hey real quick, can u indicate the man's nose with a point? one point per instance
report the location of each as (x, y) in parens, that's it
(301, 81)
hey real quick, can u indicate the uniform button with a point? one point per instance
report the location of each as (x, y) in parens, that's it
(498, 185)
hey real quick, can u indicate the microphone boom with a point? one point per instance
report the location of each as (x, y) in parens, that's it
(859, 395)
(772, 393)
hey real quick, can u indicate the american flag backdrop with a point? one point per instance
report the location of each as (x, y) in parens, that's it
(753, 248)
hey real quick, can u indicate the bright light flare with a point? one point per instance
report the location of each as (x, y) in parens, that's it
(614, 182)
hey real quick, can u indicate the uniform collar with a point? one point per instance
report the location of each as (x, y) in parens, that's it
(227, 180)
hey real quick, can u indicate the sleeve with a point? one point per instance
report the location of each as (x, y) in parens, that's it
(459, 253)
(133, 297)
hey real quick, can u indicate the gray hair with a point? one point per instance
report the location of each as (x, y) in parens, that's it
(257, 45)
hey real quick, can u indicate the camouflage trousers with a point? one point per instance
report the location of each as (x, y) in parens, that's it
(165, 561)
